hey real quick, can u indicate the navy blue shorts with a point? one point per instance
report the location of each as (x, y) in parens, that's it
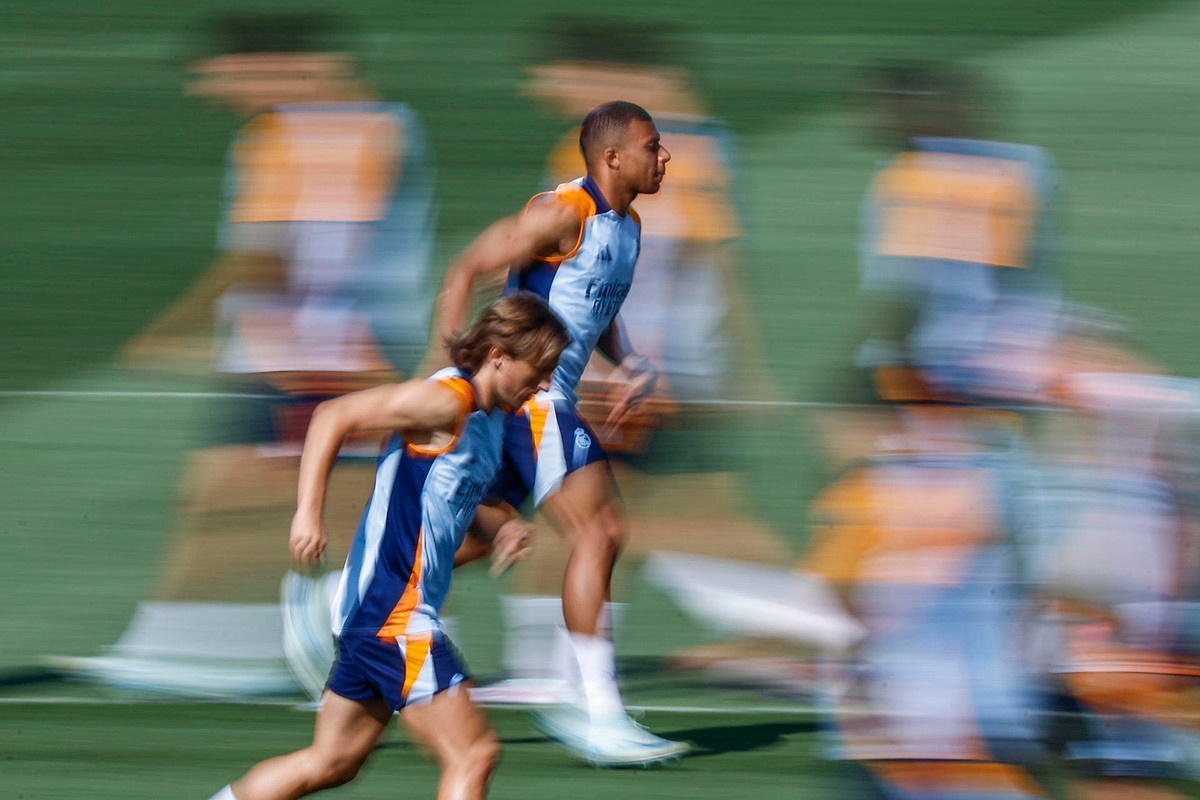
(545, 441)
(402, 671)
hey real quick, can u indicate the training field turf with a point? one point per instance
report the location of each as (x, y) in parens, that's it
(112, 181)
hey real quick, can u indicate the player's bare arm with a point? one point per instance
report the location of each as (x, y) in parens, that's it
(497, 531)
(425, 410)
(543, 229)
(640, 374)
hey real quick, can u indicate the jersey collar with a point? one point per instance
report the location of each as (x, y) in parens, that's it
(589, 185)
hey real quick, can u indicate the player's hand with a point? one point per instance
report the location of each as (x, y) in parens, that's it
(307, 542)
(512, 543)
(639, 377)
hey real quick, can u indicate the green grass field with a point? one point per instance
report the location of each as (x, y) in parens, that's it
(112, 182)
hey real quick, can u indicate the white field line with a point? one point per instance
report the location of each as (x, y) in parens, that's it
(781, 709)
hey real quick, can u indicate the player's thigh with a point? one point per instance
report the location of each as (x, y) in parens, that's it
(451, 725)
(346, 730)
(586, 504)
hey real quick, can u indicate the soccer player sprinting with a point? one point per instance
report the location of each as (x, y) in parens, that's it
(393, 652)
(577, 247)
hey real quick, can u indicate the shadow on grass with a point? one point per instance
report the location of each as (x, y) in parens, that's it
(715, 740)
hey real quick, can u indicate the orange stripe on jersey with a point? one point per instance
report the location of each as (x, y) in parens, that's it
(416, 651)
(397, 621)
(583, 204)
(955, 208)
(902, 384)
(466, 396)
(316, 166)
(537, 422)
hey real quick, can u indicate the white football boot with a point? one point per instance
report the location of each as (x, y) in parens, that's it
(610, 741)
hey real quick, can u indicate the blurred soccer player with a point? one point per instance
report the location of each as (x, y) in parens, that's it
(394, 655)
(577, 246)
(319, 288)
(936, 700)
(1116, 566)
(957, 238)
(958, 258)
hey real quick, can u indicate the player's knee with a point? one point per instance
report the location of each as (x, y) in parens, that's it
(484, 753)
(606, 532)
(335, 771)
(481, 758)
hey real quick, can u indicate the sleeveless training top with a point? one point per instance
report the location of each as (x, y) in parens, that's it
(586, 286)
(398, 570)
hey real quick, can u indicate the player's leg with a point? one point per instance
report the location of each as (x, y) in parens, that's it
(551, 453)
(346, 731)
(459, 735)
(586, 511)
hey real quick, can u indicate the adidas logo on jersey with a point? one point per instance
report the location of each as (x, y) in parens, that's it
(605, 255)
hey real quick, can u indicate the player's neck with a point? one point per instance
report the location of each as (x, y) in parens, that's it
(618, 197)
(485, 391)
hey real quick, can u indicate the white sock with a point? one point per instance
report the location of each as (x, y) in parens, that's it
(531, 623)
(224, 794)
(595, 658)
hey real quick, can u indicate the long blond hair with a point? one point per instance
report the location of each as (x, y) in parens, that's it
(520, 325)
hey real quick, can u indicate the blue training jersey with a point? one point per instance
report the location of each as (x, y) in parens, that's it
(398, 570)
(586, 286)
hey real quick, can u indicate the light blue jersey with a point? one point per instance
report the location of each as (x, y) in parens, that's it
(587, 286)
(398, 570)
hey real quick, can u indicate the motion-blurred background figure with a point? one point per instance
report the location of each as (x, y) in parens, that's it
(987, 580)
(918, 534)
(686, 311)
(957, 237)
(920, 540)
(961, 306)
(1115, 564)
(924, 534)
(319, 288)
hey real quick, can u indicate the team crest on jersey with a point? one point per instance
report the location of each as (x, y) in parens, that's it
(583, 443)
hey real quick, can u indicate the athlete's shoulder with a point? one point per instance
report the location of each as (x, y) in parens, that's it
(572, 195)
(458, 383)
(559, 216)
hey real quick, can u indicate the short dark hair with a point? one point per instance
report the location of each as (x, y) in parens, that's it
(241, 32)
(520, 325)
(607, 124)
(608, 40)
(932, 99)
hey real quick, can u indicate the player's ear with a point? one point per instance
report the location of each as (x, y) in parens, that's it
(612, 157)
